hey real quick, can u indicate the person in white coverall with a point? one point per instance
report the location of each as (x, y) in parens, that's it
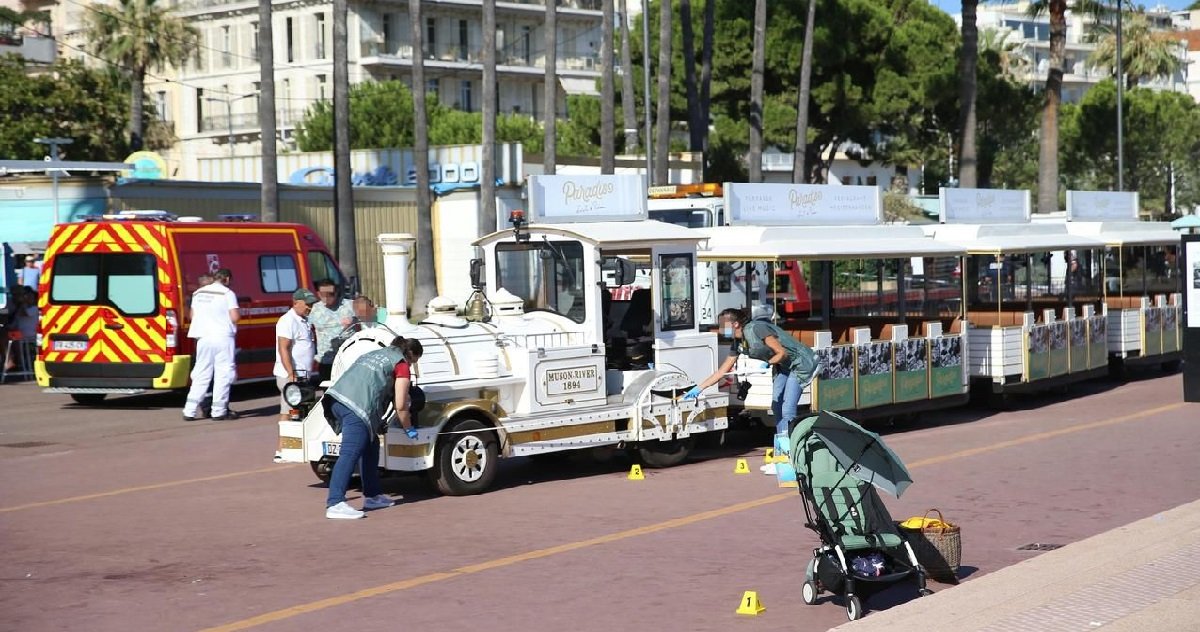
(214, 325)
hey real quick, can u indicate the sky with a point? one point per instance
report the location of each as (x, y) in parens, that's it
(955, 6)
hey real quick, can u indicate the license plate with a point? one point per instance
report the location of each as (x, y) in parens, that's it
(70, 345)
(332, 449)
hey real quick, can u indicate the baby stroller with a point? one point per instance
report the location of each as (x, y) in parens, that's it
(838, 466)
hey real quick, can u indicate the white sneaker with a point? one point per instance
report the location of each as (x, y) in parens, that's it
(342, 511)
(378, 502)
(768, 469)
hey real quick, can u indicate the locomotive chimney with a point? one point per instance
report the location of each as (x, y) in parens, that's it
(397, 253)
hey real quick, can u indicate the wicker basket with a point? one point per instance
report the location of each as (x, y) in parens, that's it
(938, 548)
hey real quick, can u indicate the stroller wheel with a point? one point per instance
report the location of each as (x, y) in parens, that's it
(854, 608)
(924, 592)
(809, 593)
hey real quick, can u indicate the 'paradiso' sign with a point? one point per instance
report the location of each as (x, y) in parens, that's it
(803, 204)
(583, 198)
(1103, 205)
(984, 206)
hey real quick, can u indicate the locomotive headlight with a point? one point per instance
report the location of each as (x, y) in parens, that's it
(295, 393)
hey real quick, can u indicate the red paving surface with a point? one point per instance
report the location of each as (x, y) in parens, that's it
(132, 520)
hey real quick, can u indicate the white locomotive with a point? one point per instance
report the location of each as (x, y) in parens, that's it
(558, 365)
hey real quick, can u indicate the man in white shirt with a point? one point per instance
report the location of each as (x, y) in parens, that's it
(295, 346)
(214, 316)
(31, 273)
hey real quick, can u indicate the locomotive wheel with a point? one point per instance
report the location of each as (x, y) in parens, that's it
(467, 458)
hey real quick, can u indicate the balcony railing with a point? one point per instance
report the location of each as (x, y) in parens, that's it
(473, 56)
(248, 121)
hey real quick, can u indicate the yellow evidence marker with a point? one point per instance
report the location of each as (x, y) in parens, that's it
(750, 604)
(635, 473)
(741, 467)
(769, 456)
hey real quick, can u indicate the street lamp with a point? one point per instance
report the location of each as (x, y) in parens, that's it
(54, 143)
(228, 101)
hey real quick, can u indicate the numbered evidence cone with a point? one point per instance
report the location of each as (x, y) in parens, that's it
(750, 604)
(635, 473)
(769, 456)
(741, 467)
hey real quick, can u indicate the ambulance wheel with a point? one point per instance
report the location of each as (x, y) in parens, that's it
(809, 593)
(323, 469)
(854, 609)
(659, 454)
(88, 399)
(467, 457)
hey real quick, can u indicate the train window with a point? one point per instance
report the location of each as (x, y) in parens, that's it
(678, 307)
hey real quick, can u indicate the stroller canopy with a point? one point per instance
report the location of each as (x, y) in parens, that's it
(859, 452)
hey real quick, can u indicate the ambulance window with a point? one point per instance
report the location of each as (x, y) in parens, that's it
(128, 282)
(549, 276)
(321, 266)
(678, 308)
(278, 273)
(75, 278)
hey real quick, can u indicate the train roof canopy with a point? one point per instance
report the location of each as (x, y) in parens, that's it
(608, 235)
(1011, 238)
(783, 243)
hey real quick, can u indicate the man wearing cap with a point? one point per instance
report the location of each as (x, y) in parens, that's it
(295, 346)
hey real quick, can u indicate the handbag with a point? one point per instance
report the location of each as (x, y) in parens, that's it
(937, 545)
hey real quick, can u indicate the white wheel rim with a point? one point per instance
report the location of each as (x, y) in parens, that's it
(809, 596)
(852, 611)
(469, 459)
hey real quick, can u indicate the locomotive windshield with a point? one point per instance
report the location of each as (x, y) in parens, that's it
(547, 275)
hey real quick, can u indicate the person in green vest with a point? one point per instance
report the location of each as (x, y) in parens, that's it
(792, 363)
(358, 404)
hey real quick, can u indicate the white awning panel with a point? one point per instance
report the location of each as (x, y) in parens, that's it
(571, 85)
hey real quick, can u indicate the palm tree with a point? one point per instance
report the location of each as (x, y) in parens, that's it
(343, 196)
(706, 73)
(756, 90)
(487, 210)
(695, 127)
(266, 114)
(607, 151)
(426, 277)
(628, 108)
(550, 146)
(799, 164)
(1144, 53)
(662, 135)
(967, 64)
(1048, 142)
(139, 36)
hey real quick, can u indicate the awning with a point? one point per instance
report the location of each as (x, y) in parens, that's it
(579, 86)
(46, 166)
(27, 247)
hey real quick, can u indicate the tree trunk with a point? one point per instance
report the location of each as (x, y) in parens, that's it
(550, 148)
(266, 114)
(799, 162)
(662, 135)
(136, 107)
(706, 77)
(487, 191)
(426, 276)
(695, 126)
(756, 90)
(628, 106)
(347, 247)
(607, 141)
(1048, 145)
(967, 127)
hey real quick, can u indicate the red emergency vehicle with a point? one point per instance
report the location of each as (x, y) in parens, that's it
(113, 300)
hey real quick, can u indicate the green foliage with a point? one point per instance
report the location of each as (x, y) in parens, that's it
(140, 35)
(1162, 144)
(88, 105)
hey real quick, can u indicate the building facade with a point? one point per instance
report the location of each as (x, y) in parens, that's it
(1029, 38)
(212, 102)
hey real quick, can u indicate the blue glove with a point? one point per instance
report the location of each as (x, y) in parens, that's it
(411, 432)
(763, 366)
(694, 393)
